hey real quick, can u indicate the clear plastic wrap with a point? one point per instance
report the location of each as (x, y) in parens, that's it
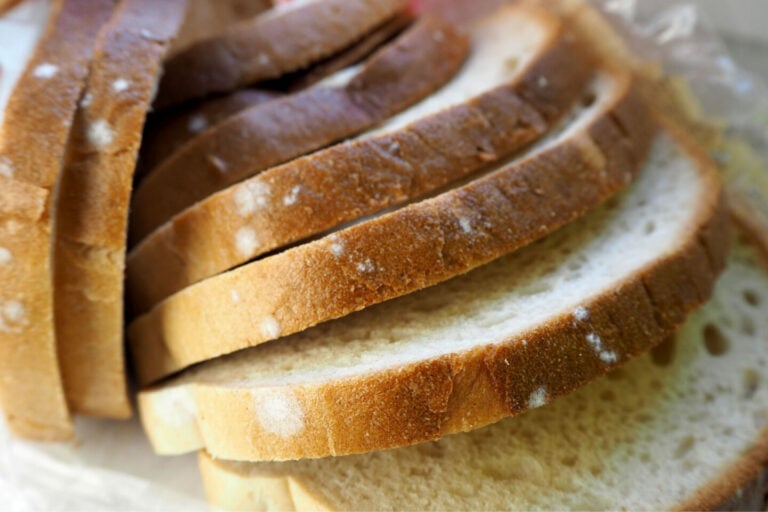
(112, 466)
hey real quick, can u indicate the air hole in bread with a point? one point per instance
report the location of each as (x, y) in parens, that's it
(650, 227)
(643, 417)
(607, 396)
(685, 447)
(751, 297)
(715, 341)
(617, 374)
(664, 353)
(570, 460)
(751, 380)
(596, 470)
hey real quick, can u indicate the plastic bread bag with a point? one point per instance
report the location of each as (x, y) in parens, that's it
(112, 466)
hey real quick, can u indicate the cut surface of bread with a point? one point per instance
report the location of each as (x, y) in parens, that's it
(33, 142)
(287, 38)
(680, 428)
(490, 109)
(511, 335)
(580, 165)
(93, 201)
(399, 74)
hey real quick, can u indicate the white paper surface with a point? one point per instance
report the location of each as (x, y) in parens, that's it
(113, 467)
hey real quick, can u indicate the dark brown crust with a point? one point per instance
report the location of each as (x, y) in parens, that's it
(427, 243)
(32, 146)
(463, 391)
(360, 177)
(269, 46)
(400, 74)
(93, 200)
(167, 131)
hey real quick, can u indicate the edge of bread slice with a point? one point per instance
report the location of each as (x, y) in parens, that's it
(94, 192)
(681, 428)
(402, 72)
(509, 336)
(509, 92)
(283, 39)
(595, 151)
(35, 130)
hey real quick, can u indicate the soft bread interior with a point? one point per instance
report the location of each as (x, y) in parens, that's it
(650, 436)
(505, 298)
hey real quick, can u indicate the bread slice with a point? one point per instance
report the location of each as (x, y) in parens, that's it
(507, 337)
(518, 201)
(401, 73)
(33, 142)
(681, 428)
(169, 130)
(92, 212)
(286, 38)
(523, 75)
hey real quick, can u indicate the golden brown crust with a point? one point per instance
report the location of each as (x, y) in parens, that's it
(269, 46)
(38, 118)
(400, 74)
(457, 392)
(6, 5)
(93, 203)
(427, 242)
(358, 178)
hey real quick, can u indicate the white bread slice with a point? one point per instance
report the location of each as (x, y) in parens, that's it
(592, 155)
(93, 201)
(33, 142)
(401, 73)
(509, 336)
(287, 38)
(524, 73)
(681, 428)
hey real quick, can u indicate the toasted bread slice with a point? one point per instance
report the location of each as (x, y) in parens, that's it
(92, 211)
(682, 428)
(33, 144)
(401, 73)
(287, 38)
(509, 336)
(592, 155)
(524, 73)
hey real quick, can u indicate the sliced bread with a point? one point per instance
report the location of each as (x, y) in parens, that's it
(286, 38)
(33, 142)
(524, 74)
(507, 337)
(93, 200)
(592, 155)
(401, 73)
(681, 428)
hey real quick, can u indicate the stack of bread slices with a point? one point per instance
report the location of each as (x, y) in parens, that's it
(358, 241)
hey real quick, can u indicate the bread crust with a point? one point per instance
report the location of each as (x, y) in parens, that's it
(37, 121)
(268, 46)
(93, 203)
(458, 392)
(428, 242)
(398, 75)
(359, 177)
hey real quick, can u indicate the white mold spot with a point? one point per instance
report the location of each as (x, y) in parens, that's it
(279, 412)
(466, 224)
(246, 242)
(595, 340)
(538, 398)
(86, 100)
(197, 123)
(251, 196)
(438, 36)
(394, 147)
(13, 316)
(6, 169)
(542, 81)
(175, 406)
(5, 256)
(366, 266)
(146, 34)
(608, 356)
(292, 196)
(45, 70)
(235, 296)
(120, 85)
(581, 314)
(264, 59)
(337, 249)
(270, 327)
(100, 134)
(218, 163)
